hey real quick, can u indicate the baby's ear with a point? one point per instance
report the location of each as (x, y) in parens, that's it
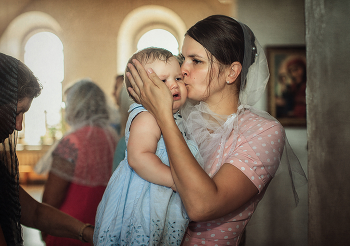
(233, 72)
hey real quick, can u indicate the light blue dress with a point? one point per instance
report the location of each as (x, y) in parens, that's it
(134, 211)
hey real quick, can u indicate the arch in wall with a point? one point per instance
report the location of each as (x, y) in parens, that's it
(141, 20)
(22, 27)
(16, 35)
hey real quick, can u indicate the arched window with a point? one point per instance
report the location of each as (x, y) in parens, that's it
(44, 56)
(145, 21)
(159, 38)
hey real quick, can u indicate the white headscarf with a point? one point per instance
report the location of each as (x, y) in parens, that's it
(86, 105)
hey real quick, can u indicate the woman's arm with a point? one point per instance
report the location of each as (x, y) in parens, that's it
(204, 198)
(2, 238)
(142, 146)
(56, 188)
(50, 220)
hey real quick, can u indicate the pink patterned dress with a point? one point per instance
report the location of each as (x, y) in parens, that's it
(89, 151)
(254, 154)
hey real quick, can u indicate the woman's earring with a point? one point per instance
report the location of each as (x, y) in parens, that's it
(228, 82)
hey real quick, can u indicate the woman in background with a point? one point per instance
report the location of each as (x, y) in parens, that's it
(18, 87)
(81, 162)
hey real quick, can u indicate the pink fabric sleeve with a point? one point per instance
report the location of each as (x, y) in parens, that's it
(89, 156)
(67, 149)
(258, 155)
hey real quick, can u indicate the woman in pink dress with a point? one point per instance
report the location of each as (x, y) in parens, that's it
(81, 162)
(225, 72)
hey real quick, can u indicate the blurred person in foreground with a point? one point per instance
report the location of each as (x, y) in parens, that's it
(18, 87)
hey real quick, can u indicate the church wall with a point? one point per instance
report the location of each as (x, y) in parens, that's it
(90, 29)
(328, 53)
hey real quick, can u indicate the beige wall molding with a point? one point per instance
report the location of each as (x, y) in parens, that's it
(22, 28)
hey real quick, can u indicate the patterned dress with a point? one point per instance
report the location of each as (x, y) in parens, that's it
(89, 152)
(257, 156)
(134, 211)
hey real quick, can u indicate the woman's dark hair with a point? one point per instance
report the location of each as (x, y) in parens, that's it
(28, 85)
(222, 37)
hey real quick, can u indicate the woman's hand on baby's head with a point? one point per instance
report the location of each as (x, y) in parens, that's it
(149, 90)
(137, 77)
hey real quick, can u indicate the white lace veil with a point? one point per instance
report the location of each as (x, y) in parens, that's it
(210, 130)
(86, 105)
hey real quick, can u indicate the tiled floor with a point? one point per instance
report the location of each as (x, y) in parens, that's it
(31, 236)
